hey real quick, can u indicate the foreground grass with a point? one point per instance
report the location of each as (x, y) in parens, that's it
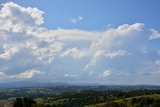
(5, 103)
(127, 101)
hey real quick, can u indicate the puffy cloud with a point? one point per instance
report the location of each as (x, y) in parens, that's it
(24, 42)
(24, 45)
(74, 35)
(154, 34)
(75, 20)
(70, 75)
(2, 74)
(151, 73)
(46, 53)
(104, 54)
(16, 18)
(105, 74)
(23, 75)
(29, 74)
(9, 51)
(155, 63)
(109, 25)
(20, 31)
(113, 39)
(74, 52)
(111, 35)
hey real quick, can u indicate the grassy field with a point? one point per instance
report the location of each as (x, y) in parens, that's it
(5, 103)
(100, 97)
(126, 101)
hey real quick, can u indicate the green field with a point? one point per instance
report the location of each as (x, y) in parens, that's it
(74, 96)
(128, 102)
(6, 103)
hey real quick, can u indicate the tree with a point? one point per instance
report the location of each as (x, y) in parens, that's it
(18, 102)
(24, 102)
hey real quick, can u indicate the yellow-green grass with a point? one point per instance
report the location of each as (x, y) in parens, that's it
(5, 103)
(155, 96)
(49, 101)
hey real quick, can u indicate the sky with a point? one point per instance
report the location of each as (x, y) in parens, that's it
(85, 41)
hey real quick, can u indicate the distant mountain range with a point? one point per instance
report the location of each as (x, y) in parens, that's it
(55, 84)
(29, 84)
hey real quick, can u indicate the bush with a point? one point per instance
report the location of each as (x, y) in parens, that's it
(24, 102)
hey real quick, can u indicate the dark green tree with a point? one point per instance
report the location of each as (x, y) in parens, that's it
(24, 102)
(18, 102)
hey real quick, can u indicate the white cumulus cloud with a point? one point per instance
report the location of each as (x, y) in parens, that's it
(74, 52)
(70, 75)
(25, 45)
(16, 18)
(29, 74)
(105, 74)
(9, 51)
(104, 54)
(75, 20)
(2, 74)
(154, 34)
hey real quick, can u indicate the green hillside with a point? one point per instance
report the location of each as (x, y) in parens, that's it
(79, 97)
(139, 101)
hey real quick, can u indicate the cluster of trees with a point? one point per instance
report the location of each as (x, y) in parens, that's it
(24, 102)
(84, 97)
(56, 92)
(114, 104)
(145, 102)
(88, 97)
(135, 102)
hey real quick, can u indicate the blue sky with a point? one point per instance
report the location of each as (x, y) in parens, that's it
(97, 14)
(85, 41)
